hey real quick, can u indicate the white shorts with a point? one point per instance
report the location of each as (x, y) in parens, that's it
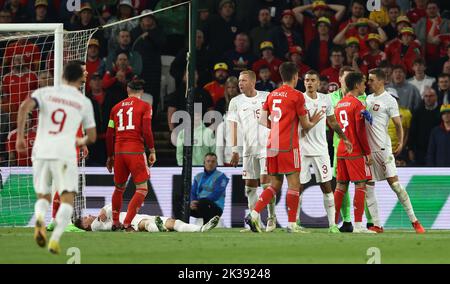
(321, 166)
(140, 217)
(253, 167)
(383, 166)
(62, 174)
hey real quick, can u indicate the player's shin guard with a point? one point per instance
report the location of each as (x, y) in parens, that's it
(358, 203)
(292, 200)
(338, 198)
(264, 199)
(372, 205)
(117, 199)
(62, 220)
(55, 204)
(40, 208)
(346, 208)
(403, 197)
(135, 205)
(328, 203)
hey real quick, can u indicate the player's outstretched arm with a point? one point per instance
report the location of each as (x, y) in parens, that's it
(89, 138)
(308, 123)
(264, 118)
(25, 108)
(335, 126)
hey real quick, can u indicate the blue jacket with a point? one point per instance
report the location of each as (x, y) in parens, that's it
(439, 148)
(210, 185)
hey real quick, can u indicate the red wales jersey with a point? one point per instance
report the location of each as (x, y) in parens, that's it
(348, 114)
(127, 118)
(284, 105)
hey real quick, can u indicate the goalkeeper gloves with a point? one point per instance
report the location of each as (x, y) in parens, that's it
(366, 114)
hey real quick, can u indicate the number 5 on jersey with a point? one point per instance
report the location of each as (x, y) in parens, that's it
(277, 110)
(129, 114)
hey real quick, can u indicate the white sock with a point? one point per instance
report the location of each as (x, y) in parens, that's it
(403, 197)
(151, 227)
(62, 220)
(272, 203)
(300, 199)
(358, 225)
(40, 208)
(252, 196)
(372, 204)
(180, 226)
(328, 203)
(254, 215)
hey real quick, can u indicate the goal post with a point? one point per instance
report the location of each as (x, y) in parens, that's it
(29, 53)
(56, 29)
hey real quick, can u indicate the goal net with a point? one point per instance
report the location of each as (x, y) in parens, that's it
(30, 59)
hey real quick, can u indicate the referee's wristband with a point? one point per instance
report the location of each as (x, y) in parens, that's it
(234, 149)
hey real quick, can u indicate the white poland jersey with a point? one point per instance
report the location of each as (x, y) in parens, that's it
(314, 143)
(382, 108)
(246, 112)
(61, 110)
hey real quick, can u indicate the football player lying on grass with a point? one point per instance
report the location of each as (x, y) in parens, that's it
(141, 222)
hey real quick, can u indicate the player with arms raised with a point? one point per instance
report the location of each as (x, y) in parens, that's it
(244, 110)
(286, 107)
(61, 110)
(314, 146)
(129, 128)
(383, 107)
(353, 166)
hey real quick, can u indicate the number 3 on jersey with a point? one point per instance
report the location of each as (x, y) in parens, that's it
(130, 125)
(343, 117)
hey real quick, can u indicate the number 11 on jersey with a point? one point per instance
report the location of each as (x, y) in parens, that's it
(130, 125)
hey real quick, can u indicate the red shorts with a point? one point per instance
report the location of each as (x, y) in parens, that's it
(283, 163)
(354, 170)
(136, 164)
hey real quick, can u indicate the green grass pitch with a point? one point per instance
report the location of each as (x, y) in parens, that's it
(230, 246)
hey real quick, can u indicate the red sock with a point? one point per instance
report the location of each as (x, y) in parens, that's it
(358, 203)
(55, 205)
(117, 198)
(292, 198)
(338, 197)
(264, 199)
(135, 205)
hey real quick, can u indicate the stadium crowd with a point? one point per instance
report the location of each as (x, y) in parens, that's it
(409, 40)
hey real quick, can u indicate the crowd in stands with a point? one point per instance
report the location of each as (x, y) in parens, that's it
(410, 40)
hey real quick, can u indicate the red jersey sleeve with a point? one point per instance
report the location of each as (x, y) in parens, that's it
(300, 106)
(147, 127)
(361, 129)
(109, 139)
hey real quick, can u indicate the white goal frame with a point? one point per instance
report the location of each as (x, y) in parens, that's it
(57, 30)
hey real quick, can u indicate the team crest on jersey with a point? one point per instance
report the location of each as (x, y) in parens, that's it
(244, 173)
(376, 107)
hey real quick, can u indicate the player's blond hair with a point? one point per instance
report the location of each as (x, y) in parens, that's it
(251, 75)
